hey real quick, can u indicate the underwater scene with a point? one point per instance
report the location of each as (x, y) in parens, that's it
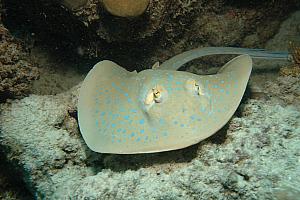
(150, 99)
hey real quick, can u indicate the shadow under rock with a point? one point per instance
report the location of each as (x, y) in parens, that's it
(12, 185)
(220, 136)
(123, 162)
(119, 163)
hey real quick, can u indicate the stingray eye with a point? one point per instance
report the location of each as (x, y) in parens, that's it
(155, 95)
(194, 87)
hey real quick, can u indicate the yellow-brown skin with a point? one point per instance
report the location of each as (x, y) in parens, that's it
(157, 110)
(126, 8)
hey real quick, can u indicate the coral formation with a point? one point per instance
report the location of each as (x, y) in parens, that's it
(126, 8)
(16, 70)
(11, 185)
(294, 68)
(74, 4)
(285, 88)
(165, 29)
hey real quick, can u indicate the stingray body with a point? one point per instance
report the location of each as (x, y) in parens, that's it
(157, 110)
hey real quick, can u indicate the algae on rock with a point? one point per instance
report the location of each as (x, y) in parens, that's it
(16, 70)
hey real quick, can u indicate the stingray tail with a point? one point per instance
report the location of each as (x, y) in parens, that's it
(266, 54)
(177, 61)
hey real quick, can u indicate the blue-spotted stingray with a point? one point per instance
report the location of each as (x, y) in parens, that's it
(161, 109)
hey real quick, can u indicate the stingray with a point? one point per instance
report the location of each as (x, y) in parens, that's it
(158, 109)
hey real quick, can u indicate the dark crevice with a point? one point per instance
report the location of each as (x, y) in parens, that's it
(11, 182)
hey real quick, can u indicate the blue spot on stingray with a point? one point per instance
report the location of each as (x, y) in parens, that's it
(146, 138)
(129, 100)
(138, 139)
(142, 131)
(222, 90)
(126, 117)
(142, 121)
(192, 117)
(202, 109)
(181, 125)
(215, 86)
(106, 90)
(124, 131)
(119, 130)
(169, 89)
(126, 94)
(113, 125)
(132, 134)
(227, 92)
(178, 82)
(97, 123)
(175, 122)
(165, 133)
(103, 113)
(133, 110)
(115, 116)
(161, 121)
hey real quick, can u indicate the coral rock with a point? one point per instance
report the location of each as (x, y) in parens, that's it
(16, 71)
(126, 8)
(74, 4)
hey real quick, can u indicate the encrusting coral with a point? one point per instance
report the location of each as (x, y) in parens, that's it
(73, 4)
(294, 68)
(16, 71)
(126, 8)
